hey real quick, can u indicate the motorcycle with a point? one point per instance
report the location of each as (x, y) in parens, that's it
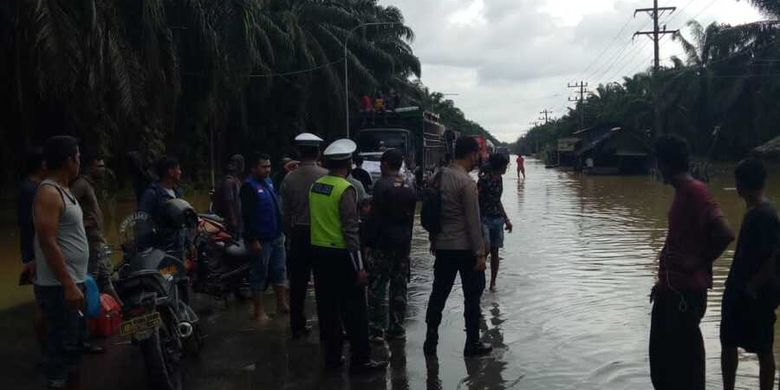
(222, 263)
(153, 284)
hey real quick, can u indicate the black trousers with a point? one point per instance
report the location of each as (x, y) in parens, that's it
(340, 301)
(676, 344)
(448, 265)
(299, 273)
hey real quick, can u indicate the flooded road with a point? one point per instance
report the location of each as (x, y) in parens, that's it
(571, 310)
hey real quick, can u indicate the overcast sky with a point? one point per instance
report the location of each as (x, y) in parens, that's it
(507, 60)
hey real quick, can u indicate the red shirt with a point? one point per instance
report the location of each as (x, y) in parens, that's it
(682, 263)
(520, 161)
(365, 103)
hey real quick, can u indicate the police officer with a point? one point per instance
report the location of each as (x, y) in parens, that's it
(294, 192)
(340, 277)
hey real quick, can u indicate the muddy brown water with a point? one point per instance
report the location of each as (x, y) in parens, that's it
(571, 310)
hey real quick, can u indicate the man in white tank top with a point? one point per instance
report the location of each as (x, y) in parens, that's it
(62, 251)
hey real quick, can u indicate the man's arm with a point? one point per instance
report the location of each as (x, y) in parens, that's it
(86, 196)
(350, 226)
(473, 223)
(350, 221)
(48, 208)
(284, 195)
(721, 236)
(377, 204)
(770, 245)
(507, 221)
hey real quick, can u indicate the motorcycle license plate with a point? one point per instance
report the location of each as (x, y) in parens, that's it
(140, 324)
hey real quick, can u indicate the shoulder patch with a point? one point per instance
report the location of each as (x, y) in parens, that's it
(322, 189)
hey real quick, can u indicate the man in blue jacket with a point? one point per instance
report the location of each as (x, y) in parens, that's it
(263, 236)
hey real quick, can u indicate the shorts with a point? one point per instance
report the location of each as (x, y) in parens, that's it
(269, 266)
(66, 333)
(746, 322)
(493, 231)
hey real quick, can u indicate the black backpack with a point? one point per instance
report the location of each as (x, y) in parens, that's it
(430, 213)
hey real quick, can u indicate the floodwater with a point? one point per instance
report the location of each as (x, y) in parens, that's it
(571, 310)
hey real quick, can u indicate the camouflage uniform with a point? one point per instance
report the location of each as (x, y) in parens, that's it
(388, 267)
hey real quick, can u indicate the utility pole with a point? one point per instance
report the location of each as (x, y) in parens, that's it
(580, 101)
(535, 124)
(656, 36)
(546, 117)
(657, 33)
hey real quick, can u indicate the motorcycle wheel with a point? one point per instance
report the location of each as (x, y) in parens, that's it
(162, 367)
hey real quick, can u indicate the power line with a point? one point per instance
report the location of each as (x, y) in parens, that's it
(704, 9)
(637, 50)
(608, 46)
(309, 70)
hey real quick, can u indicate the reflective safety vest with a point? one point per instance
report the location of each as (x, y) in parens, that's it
(324, 203)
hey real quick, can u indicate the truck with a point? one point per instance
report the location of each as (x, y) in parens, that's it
(418, 134)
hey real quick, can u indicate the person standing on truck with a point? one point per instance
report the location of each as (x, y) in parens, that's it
(339, 272)
(379, 106)
(294, 192)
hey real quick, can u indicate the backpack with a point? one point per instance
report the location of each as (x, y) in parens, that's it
(402, 205)
(430, 213)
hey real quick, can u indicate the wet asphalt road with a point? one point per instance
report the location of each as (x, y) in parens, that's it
(238, 355)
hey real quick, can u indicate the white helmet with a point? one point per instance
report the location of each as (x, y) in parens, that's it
(341, 149)
(308, 139)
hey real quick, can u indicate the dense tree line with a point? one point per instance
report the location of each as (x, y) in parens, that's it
(165, 76)
(729, 80)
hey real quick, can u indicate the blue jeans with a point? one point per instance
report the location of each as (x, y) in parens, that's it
(66, 332)
(269, 266)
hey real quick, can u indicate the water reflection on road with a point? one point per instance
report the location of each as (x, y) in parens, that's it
(571, 310)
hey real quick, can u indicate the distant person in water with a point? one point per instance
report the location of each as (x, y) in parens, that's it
(749, 301)
(698, 234)
(520, 165)
(491, 209)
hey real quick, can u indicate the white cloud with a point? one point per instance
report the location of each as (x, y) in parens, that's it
(509, 59)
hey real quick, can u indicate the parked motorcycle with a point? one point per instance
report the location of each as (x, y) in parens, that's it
(222, 264)
(154, 285)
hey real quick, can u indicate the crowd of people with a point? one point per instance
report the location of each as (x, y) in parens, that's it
(378, 105)
(325, 217)
(320, 220)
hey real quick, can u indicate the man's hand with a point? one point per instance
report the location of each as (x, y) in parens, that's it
(481, 264)
(74, 298)
(255, 247)
(361, 278)
(30, 268)
(509, 226)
